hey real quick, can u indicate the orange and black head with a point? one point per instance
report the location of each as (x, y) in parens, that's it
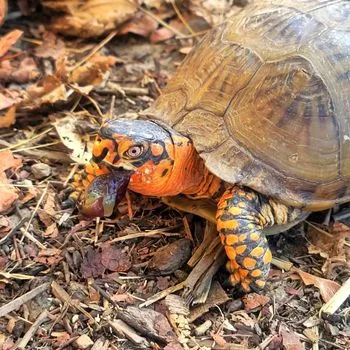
(155, 156)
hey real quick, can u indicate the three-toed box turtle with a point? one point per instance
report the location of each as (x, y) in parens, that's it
(257, 117)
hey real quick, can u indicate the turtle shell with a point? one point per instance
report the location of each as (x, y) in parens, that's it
(265, 98)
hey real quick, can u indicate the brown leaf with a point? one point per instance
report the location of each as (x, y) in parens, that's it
(51, 231)
(253, 301)
(327, 287)
(114, 259)
(219, 340)
(5, 101)
(52, 46)
(8, 193)
(125, 298)
(19, 71)
(93, 72)
(8, 118)
(8, 40)
(141, 24)
(290, 340)
(90, 18)
(49, 256)
(3, 10)
(92, 265)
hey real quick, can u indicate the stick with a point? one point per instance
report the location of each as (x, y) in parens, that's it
(15, 304)
(337, 299)
(43, 317)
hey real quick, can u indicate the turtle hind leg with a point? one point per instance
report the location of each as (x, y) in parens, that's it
(242, 216)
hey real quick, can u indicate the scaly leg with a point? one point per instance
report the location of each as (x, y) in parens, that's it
(241, 218)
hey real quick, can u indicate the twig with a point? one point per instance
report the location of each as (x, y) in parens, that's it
(337, 299)
(28, 140)
(182, 19)
(324, 232)
(35, 147)
(13, 231)
(96, 49)
(43, 317)
(25, 231)
(166, 25)
(162, 294)
(15, 304)
(61, 294)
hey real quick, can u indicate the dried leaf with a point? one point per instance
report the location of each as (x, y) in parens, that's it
(3, 10)
(141, 24)
(327, 287)
(290, 340)
(219, 340)
(51, 231)
(67, 129)
(253, 301)
(90, 18)
(8, 193)
(93, 73)
(5, 101)
(91, 265)
(8, 40)
(52, 46)
(19, 71)
(8, 118)
(113, 258)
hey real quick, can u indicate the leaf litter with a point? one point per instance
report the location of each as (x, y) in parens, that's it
(66, 282)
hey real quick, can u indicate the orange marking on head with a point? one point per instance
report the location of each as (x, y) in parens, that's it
(258, 251)
(267, 257)
(235, 210)
(243, 272)
(157, 149)
(242, 237)
(231, 239)
(241, 249)
(90, 177)
(260, 283)
(100, 145)
(256, 273)
(254, 236)
(249, 263)
(230, 252)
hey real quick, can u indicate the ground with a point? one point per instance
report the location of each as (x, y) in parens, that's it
(69, 283)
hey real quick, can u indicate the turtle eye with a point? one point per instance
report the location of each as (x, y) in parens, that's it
(134, 151)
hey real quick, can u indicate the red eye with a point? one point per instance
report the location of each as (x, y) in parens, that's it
(134, 151)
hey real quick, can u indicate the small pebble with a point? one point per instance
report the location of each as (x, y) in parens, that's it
(40, 170)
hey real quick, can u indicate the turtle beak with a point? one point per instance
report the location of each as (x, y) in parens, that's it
(104, 193)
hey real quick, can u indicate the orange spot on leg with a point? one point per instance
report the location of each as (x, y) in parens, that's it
(230, 252)
(267, 257)
(231, 239)
(258, 251)
(254, 236)
(241, 249)
(249, 263)
(256, 273)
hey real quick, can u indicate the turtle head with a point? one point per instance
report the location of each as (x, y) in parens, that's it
(159, 158)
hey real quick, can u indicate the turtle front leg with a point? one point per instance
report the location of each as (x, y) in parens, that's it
(242, 216)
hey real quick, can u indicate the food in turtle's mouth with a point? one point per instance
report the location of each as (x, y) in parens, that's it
(103, 194)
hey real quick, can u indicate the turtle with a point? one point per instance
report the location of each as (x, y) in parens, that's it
(256, 118)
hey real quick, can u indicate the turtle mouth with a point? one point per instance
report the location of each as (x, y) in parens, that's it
(104, 194)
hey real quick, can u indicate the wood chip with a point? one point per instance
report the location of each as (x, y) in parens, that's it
(15, 304)
(83, 342)
(125, 330)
